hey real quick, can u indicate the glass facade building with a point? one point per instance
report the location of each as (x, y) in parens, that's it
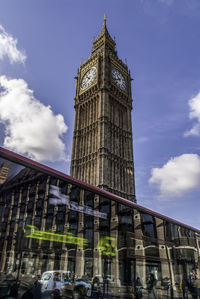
(62, 238)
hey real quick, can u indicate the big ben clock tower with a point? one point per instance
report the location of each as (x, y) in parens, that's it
(102, 151)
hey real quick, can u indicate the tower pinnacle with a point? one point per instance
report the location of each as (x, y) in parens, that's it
(104, 38)
(104, 19)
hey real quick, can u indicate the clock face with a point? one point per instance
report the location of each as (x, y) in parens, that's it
(119, 79)
(88, 78)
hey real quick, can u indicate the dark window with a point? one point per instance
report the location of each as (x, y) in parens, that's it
(9, 242)
(50, 209)
(30, 206)
(32, 189)
(148, 225)
(30, 214)
(24, 193)
(21, 216)
(89, 198)
(31, 198)
(60, 217)
(22, 208)
(105, 205)
(37, 221)
(42, 186)
(23, 200)
(73, 216)
(89, 230)
(16, 198)
(104, 224)
(41, 196)
(53, 181)
(49, 221)
(171, 231)
(61, 208)
(14, 213)
(20, 223)
(60, 228)
(3, 227)
(88, 234)
(73, 228)
(75, 193)
(2, 240)
(39, 212)
(12, 225)
(6, 212)
(28, 220)
(63, 187)
(39, 204)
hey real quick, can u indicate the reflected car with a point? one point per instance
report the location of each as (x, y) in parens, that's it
(83, 282)
(54, 280)
(80, 287)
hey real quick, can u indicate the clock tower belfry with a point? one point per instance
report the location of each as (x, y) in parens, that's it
(102, 151)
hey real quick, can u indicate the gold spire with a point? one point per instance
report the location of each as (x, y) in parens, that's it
(104, 28)
(104, 19)
(104, 37)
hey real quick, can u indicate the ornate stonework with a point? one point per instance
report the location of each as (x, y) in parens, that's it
(102, 151)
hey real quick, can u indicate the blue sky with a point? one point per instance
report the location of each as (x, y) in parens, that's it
(41, 46)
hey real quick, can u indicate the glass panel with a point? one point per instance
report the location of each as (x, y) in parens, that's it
(59, 240)
(148, 225)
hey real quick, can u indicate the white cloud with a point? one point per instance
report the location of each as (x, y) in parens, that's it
(8, 47)
(194, 105)
(31, 127)
(178, 175)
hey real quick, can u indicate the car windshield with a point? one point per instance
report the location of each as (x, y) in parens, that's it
(46, 276)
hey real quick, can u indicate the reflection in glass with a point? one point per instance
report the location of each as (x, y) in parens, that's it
(68, 239)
